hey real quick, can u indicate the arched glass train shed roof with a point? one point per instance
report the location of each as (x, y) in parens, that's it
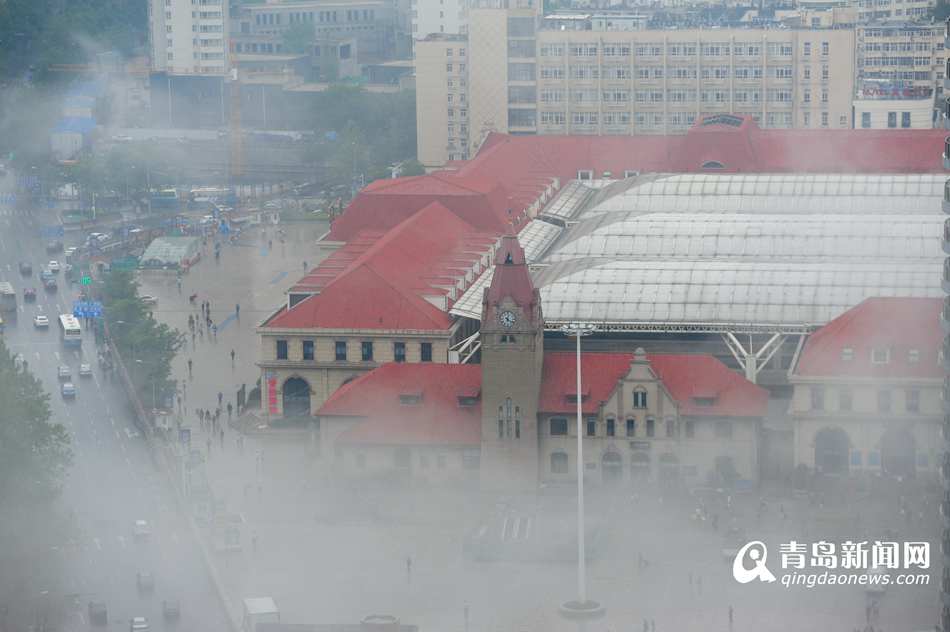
(739, 253)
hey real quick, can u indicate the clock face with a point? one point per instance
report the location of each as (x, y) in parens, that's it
(507, 318)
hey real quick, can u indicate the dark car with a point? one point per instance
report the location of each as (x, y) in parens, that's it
(29, 294)
(26, 269)
(50, 285)
(98, 615)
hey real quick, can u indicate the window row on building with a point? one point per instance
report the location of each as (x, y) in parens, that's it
(342, 351)
(681, 49)
(844, 400)
(633, 427)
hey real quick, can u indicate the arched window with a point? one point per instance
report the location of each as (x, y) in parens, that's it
(713, 164)
(559, 462)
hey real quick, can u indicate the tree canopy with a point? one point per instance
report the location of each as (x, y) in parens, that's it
(147, 346)
(37, 33)
(34, 453)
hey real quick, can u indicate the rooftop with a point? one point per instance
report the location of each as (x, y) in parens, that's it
(879, 338)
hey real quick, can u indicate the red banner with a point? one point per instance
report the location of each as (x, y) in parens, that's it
(272, 395)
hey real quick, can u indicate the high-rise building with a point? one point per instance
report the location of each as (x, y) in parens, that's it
(527, 75)
(438, 16)
(189, 37)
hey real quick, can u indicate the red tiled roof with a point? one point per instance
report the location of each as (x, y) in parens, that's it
(690, 377)
(600, 373)
(511, 277)
(383, 283)
(898, 324)
(685, 376)
(437, 420)
(382, 204)
(746, 148)
(510, 172)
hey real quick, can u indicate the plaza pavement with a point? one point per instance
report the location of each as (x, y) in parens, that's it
(329, 555)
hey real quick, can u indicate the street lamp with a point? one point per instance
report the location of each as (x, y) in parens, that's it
(582, 609)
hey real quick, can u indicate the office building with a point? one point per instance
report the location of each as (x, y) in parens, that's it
(522, 76)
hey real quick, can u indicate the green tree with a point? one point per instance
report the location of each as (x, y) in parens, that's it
(34, 453)
(147, 347)
(298, 38)
(412, 168)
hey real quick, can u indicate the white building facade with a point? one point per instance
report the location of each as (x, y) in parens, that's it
(188, 37)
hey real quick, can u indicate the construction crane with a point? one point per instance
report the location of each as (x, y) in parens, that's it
(235, 135)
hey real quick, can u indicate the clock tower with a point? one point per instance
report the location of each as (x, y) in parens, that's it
(512, 352)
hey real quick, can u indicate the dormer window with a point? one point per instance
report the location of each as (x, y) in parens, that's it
(639, 398)
(880, 356)
(913, 356)
(410, 399)
(847, 354)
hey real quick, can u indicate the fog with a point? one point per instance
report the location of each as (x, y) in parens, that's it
(189, 229)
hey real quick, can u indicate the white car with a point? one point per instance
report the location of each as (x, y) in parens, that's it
(40, 321)
(138, 624)
(53, 266)
(148, 299)
(85, 370)
(140, 529)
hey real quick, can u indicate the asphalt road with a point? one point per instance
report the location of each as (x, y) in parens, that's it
(113, 481)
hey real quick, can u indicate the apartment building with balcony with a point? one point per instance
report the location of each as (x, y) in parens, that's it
(524, 77)
(442, 128)
(899, 10)
(188, 37)
(889, 56)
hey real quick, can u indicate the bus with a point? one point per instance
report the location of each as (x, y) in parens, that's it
(8, 307)
(70, 331)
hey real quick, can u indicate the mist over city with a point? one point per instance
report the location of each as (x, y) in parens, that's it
(474, 316)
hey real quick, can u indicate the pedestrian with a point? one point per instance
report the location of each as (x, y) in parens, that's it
(237, 311)
(230, 409)
(189, 368)
(232, 358)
